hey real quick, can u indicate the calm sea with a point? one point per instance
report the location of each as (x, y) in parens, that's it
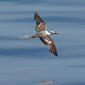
(27, 62)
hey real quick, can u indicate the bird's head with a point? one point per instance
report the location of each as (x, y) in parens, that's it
(52, 32)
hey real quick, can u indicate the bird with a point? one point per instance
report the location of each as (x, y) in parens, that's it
(43, 34)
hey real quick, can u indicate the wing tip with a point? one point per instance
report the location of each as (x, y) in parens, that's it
(56, 54)
(35, 15)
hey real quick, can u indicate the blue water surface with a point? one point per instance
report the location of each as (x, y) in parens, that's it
(27, 62)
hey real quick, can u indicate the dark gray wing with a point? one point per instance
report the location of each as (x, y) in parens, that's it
(40, 24)
(50, 43)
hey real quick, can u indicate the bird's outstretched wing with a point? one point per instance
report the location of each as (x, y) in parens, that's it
(50, 43)
(40, 24)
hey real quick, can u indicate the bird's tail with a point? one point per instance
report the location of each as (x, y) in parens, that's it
(29, 36)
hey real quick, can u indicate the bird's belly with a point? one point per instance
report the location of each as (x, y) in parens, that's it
(43, 33)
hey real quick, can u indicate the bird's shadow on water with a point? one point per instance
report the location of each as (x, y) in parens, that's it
(76, 83)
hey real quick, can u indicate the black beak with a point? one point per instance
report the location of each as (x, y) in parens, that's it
(56, 33)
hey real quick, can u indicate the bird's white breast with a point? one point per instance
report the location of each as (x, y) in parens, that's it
(46, 32)
(43, 33)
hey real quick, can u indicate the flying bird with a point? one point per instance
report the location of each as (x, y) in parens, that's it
(43, 34)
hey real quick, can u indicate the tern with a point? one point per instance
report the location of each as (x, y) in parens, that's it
(43, 34)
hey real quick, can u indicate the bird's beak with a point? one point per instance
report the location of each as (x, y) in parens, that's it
(56, 33)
